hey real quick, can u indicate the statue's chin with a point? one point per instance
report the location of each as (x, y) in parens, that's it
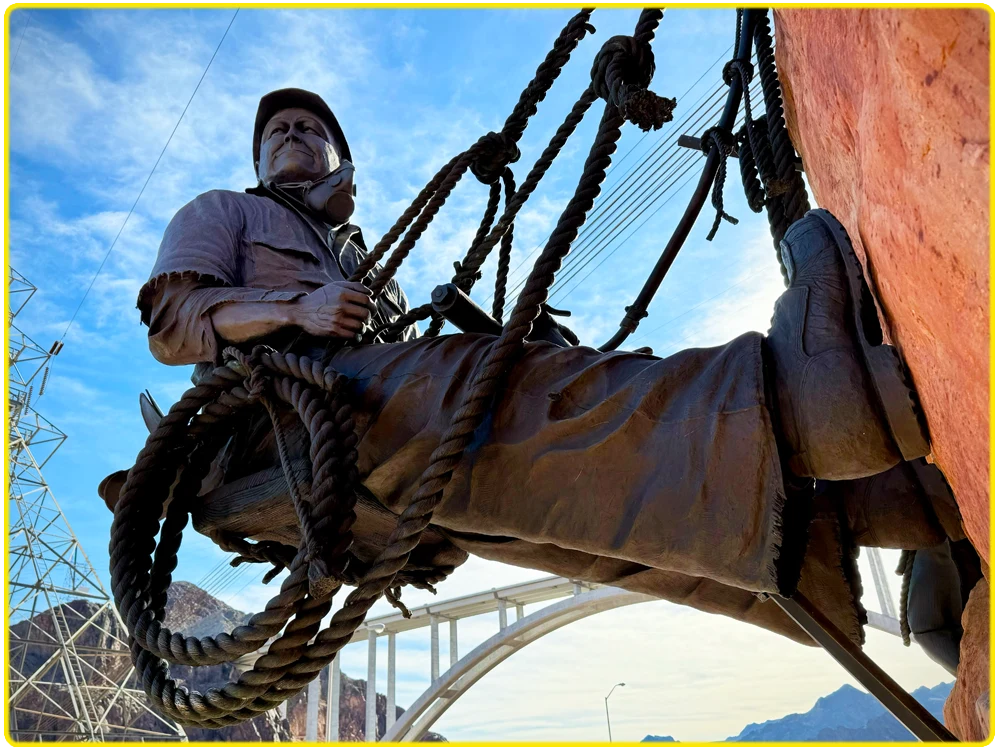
(291, 170)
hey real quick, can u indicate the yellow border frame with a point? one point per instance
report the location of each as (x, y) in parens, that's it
(490, 4)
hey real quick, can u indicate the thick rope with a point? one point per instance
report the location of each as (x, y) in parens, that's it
(793, 203)
(723, 143)
(296, 657)
(752, 187)
(475, 259)
(503, 260)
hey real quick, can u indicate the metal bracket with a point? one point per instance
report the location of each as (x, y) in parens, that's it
(887, 691)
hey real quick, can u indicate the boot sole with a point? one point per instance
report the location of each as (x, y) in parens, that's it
(897, 397)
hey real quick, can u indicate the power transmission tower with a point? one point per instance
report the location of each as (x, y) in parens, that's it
(70, 677)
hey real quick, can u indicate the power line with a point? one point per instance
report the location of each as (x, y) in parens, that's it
(691, 164)
(581, 259)
(24, 31)
(659, 179)
(150, 176)
(628, 219)
(600, 212)
(656, 182)
(678, 342)
(625, 158)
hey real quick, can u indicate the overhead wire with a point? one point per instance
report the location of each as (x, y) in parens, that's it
(689, 172)
(676, 342)
(624, 159)
(647, 164)
(220, 571)
(652, 172)
(648, 198)
(655, 186)
(24, 31)
(740, 282)
(205, 578)
(665, 159)
(149, 177)
(587, 242)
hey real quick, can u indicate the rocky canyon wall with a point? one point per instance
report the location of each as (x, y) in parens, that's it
(890, 110)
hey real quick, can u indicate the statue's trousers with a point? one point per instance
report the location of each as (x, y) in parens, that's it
(660, 475)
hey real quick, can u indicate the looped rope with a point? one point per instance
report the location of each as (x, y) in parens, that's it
(319, 396)
(725, 144)
(621, 74)
(495, 151)
(503, 260)
(788, 200)
(738, 67)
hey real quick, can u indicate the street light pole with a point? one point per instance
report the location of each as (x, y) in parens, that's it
(607, 712)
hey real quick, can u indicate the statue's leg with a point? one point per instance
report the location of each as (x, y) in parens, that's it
(673, 464)
(669, 463)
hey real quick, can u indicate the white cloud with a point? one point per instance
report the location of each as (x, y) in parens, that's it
(92, 103)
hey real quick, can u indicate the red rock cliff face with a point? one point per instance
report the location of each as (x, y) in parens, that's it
(890, 112)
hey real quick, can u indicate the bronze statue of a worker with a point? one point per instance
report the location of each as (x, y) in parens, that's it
(689, 478)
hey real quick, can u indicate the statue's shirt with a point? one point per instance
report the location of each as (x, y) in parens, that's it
(226, 246)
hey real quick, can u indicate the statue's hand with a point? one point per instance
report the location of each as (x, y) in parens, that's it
(341, 308)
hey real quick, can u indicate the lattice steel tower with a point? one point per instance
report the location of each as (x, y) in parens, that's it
(70, 677)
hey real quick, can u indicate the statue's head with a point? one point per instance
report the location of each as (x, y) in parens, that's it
(297, 140)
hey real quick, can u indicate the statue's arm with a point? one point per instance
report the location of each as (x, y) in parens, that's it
(339, 309)
(196, 302)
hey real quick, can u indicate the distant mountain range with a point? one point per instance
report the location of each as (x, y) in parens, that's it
(845, 715)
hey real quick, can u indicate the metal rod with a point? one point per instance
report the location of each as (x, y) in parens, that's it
(886, 690)
(452, 641)
(637, 310)
(435, 649)
(371, 698)
(390, 689)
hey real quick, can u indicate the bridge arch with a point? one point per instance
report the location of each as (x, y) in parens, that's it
(463, 674)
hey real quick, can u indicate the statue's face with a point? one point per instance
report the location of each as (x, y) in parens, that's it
(296, 146)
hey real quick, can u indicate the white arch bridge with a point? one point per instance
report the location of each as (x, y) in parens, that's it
(571, 601)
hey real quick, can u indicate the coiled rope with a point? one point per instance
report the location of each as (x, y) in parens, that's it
(183, 444)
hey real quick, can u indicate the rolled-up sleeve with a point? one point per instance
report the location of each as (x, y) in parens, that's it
(180, 324)
(199, 266)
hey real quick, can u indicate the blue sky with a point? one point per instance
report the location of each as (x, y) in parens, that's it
(93, 97)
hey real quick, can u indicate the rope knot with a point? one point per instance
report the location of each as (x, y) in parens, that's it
(464, 277)
(494, 151)
(622, 72)
(725, 143)
(251, 367)
(736, 66)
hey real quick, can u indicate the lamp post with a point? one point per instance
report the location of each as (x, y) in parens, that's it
(607, 712)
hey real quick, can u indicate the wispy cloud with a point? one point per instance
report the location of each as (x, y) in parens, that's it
(93, 97)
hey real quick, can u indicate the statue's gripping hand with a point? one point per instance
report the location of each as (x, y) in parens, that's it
(341, 308)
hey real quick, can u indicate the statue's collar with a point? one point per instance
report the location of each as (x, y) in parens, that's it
(333, 237)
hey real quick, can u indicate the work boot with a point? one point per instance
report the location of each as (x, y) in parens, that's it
(910, 506)
(845, 407)
(932, 595)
